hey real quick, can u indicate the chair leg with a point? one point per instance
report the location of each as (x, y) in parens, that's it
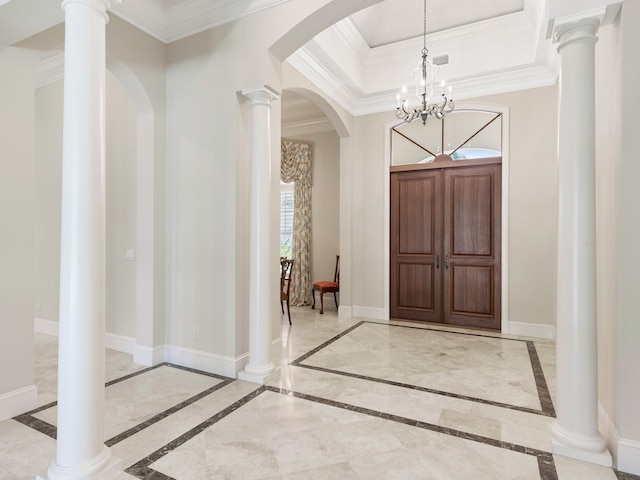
(313, 294)
(321, 303)
(282, 306)
(335, 297)
(288, 310)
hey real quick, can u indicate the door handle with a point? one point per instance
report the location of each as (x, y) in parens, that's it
(437, 262)
(446, 262)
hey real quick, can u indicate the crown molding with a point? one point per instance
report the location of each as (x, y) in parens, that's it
(146, 15)
(49, 70)
(188, 17)
(308, 65)
(307, 127)
(195, 16)
(522, 78)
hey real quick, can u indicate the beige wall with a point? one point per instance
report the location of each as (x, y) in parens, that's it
(17, 234)
(607, 159)
(48, 182)
(531, 198)
(532, 203)
(121, 158)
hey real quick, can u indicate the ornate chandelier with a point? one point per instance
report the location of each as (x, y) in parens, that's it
(424, 75)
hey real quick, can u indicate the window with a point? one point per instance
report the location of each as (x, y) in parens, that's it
(286, 219)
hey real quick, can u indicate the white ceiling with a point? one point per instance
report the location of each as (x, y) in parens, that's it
(494, 46)
(392, 21)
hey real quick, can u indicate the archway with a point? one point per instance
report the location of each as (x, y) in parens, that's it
(149, 261)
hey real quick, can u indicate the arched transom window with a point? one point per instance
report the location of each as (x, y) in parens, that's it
(460, 135)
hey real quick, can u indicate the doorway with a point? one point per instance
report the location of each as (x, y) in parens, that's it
(445, 244)
(446, 236)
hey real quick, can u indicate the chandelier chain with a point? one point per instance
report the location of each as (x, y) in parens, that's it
(424, 35)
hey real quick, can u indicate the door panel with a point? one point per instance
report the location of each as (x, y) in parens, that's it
(445, 245)
(471, 290)
(416, 242)
(471, 222)
(414, 280)
(472, 245)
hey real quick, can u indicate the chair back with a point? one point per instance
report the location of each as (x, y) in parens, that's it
(336, 275)
(286, 268)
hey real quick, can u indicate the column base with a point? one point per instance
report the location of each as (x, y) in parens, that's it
(587, 449)
(105, 467)
(256, 373)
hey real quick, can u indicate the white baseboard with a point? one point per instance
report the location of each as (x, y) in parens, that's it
(370, 312)
(625, 452)
(205, 361)
(344, 311)
(608, 431)
(120, 343)
(628, 456)
(18, 401)
(113, 341)
(535, 330)
(149, 356)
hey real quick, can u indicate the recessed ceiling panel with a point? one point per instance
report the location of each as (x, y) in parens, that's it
(392, 21)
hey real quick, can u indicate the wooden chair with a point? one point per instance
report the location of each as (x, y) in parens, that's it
(327, 287)
(286, 266)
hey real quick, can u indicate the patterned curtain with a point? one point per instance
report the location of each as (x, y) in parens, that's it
(296, 167)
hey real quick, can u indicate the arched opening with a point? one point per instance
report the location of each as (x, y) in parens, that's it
(132, 270)
(307, 118)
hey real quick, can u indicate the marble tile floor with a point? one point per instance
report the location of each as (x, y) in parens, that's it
(351, 399)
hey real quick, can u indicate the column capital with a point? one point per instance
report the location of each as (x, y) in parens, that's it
(101, 5)
(263, 95)
(583, 30)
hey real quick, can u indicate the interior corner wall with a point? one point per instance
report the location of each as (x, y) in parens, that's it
(48, 199)
(628, 239)
(532, 200)
(17, 392)
(607, 85)
(203, 115)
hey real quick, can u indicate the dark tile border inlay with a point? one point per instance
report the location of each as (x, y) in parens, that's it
(543, 392)
(626, 476)
(51, 430)
(141, 468)
(143, 471)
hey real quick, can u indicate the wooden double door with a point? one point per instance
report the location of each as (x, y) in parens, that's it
(445, 244)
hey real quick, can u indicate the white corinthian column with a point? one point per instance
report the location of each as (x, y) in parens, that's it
(575, 431)
(261, 255)
(81, 452)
